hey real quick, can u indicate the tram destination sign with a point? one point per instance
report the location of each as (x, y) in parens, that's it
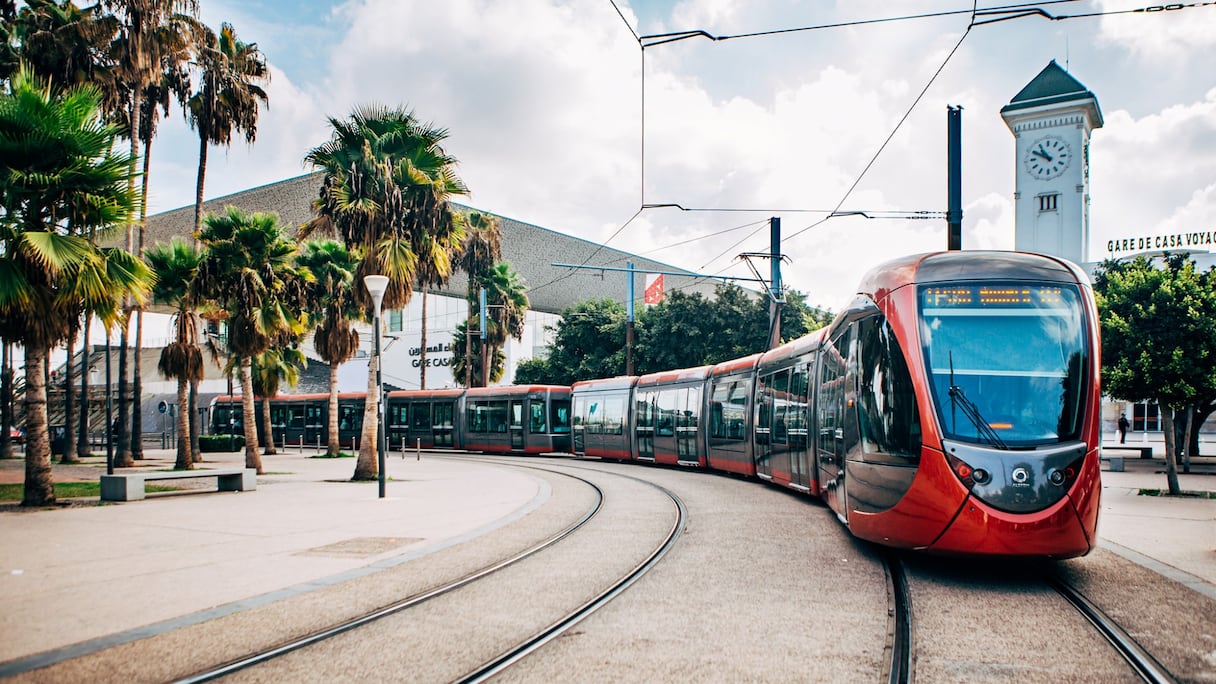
(1201, 240)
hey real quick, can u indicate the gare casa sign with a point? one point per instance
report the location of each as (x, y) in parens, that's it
(432, 361)
(1142, 243)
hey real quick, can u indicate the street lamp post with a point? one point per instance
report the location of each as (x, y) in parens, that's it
(376, 286)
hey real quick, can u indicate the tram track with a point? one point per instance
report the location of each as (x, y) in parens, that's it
(989, 621)
(264, 661)
(899, 664)
(1141, 661)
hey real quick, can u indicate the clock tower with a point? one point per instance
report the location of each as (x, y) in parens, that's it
(1051, 120)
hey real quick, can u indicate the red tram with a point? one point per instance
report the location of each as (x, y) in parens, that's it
(951, 407)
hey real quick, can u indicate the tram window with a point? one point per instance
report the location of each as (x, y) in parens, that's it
(890, 419)
(692, 416)
(536, 416)
(517, 414)
(780, 392)
(397, 413)
(420, 416)
(443, 415)
(313, 416)
(645, 411)
(670, 401)
(349, 418)
(560, 415)
(614, 415)
(296, 417)
(278, 416)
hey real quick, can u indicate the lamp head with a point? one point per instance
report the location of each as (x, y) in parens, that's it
(376, 285)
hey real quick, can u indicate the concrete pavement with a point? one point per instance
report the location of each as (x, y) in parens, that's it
(76, 579)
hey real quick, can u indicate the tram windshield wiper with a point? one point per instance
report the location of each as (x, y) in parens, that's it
(972, 412)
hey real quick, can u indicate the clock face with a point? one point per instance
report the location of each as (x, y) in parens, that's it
(1048, 157)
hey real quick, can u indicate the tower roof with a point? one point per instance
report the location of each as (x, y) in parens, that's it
(1053, 85)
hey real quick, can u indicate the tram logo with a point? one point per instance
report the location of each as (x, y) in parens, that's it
(1020, 476)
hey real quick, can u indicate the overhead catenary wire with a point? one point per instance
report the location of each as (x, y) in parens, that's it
(979, 16)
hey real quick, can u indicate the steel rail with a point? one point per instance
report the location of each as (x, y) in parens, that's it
(502, 662)
(900, 665)
(1141, 660)
(308, 640)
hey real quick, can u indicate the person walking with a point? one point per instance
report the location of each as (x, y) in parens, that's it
(1123, 425)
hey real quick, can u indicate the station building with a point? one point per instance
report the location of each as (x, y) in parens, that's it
(530, 250)
(1052, 119)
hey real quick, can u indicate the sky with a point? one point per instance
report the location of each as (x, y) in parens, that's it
(558, 118)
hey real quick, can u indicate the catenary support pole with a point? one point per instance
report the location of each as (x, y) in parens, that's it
(954, 180)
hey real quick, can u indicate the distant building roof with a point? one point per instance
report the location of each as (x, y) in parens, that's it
(1053, 85)
(531, 250)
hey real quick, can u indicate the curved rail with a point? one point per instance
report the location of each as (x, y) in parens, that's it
(555, 630)
(308, 640)
(901, 620)
(1141, 660)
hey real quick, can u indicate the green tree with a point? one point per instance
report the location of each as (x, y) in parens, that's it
(1158, 337)
(61, 188)
(470, 363)
(176, 266)
(271, 369)
(507, 299)
(231, 73)
(588, 342)
(387, 189)
(335, 338)
(250, 273)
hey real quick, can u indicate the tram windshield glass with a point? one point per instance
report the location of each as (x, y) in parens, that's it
(1007, 361)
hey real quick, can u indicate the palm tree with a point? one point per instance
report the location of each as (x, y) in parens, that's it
(150, 34)
(176, 266)
(481, 250)
(386, 190)
(434, 269)
(61, 186)
(506, 295)
(249, 273)
(178, 36)
(335, 339)
(227, 99)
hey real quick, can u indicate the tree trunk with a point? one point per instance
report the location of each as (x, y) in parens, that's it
(332, 448)
(366, 466)
(184, 460)
(1186, 439)
(6, 400)
(137, 391)
(122, 459)
(268, 449)
(82, 443)
(137, 408)
(1171, 464)
(252, 458)
(196, 454)
(198, 187)
(39, 486)
(69, 403)
(422, 352)
(468, 352)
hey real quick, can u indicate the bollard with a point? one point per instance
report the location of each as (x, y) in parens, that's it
(403, 448)
(418, 445)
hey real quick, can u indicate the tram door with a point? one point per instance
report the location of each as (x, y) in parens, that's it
(830, 411)
(515, 410)
(645, 426)
(764, 427)
(797, 419)
(441, 423)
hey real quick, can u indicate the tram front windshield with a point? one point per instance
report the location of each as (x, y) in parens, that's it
(1007, 361)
